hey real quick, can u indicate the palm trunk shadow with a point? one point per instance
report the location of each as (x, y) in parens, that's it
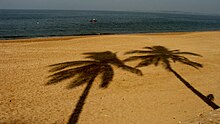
(86, 71)
(199, 94)
(78, 109)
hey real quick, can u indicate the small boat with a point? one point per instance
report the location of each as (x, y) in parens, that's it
(92, 20)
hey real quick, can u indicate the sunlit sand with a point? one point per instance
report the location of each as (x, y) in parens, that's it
(157, 97)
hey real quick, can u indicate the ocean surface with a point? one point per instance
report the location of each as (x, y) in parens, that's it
(45, 23)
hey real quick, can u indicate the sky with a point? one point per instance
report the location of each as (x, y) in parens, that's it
(192, 6)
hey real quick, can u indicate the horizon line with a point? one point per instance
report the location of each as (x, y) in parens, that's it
(141, 11)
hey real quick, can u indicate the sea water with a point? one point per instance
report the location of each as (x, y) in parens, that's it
(46, 23)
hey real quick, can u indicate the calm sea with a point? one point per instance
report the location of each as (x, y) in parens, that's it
(44, 23)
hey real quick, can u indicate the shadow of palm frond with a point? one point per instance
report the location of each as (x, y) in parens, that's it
(85, 72)
(157, 54)
(161, 55)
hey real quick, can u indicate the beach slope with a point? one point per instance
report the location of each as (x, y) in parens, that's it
(157, 97)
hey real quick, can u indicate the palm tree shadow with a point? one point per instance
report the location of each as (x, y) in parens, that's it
(85, 72)
(161, 55)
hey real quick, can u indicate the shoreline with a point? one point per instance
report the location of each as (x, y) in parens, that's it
(57, 38)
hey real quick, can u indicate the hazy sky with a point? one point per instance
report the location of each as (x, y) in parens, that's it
(198, 6)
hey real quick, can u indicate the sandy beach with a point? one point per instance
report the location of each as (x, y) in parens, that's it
(157, 97)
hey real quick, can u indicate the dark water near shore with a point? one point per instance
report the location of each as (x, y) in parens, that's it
(43, 23)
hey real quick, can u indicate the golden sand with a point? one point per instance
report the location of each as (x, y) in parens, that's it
(157, 97)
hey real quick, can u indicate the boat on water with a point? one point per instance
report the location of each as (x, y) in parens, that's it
(92, 20)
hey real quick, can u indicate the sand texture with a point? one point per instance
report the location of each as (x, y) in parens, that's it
(212, 117)
(157, 97)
